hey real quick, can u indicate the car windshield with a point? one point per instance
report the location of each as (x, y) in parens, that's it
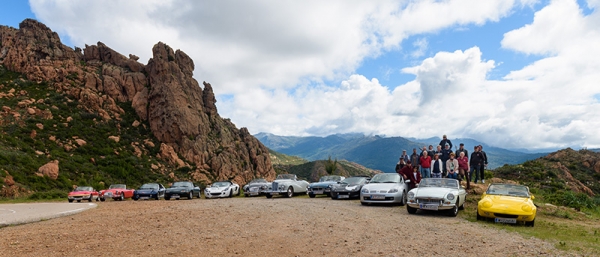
(149, 186)
(508, 190)
(286, 176)
(439, 182)
(330, 178)
(354, 180)
(84, 189)
(221, 184)
(385, 178)
(258, 180)
(182, 184)
(117, 186)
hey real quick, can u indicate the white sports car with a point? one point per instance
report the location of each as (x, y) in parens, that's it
(437, 194)
(385, 188)
(222, 189)
(287, 185)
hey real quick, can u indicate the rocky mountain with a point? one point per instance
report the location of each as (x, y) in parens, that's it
(376, 152)
(312, 171)
(161, 96)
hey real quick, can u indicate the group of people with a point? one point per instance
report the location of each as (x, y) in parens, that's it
(443, 163)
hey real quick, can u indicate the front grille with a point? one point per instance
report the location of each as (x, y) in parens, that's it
(317, 189)
(275, 186)
(429, 201)
(218, 193)
(500, 215)
(382, 191)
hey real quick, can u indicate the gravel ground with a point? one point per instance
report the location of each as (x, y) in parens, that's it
(261, 227)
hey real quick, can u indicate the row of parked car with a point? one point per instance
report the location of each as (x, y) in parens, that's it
(504, 203)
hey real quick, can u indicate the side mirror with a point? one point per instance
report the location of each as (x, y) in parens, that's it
(532, 197)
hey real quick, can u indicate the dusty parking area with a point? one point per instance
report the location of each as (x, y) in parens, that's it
(261, 227)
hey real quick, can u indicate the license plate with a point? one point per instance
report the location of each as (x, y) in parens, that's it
(378, 197)
(253, 193)
(428, 207)
(318, 192)
(506, 220)
(174, 196)
(343, 196)
(144, 198)
(275, 193)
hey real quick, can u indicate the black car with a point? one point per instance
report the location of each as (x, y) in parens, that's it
(348, 188)
(149, 190)
(182, 189)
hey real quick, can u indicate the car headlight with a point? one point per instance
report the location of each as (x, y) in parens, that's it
(487, 204)
(526, 208)
(365, 190)
(411, 194)
(330, 186)
(263, 187)
(450, 197)
(393, 190)
(281, 187)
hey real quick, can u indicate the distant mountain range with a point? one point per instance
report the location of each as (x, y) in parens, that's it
(377, 152)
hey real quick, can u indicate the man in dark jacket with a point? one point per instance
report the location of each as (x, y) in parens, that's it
(445, 141)
(461, 148)
(445, 156)
(484, 163)
(406, 171)
(414, 158)
(475, 162)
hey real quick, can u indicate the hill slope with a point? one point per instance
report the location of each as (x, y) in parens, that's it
(312, 171)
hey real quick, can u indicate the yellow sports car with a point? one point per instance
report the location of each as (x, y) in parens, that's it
(507, 203)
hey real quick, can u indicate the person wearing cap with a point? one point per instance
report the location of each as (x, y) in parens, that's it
(445, 156)
(445, 141)
(452, 167)
(436, 167)
(461, 148)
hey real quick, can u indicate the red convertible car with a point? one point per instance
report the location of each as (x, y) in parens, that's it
(116, 192)
(83, 193)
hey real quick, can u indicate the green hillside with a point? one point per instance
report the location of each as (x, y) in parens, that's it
(283, 159)
(312, 171)
(30, 140)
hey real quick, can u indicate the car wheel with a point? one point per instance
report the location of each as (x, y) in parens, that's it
(311, 195)
(190, 196)
(199, 195)
(70, 200)
(239, 191)
(290, 192)
(91, 198)
(135, 198)
(167, 197)
(269, 195)
(403, 201)
(78, 201)
(333, 196)
(102, 199)
(411, 210)
(122, 197)
(363, 203)
(454, 211)
(328, 194)
(530, 223)
(230, 193)
(156, 197)
(245, 195)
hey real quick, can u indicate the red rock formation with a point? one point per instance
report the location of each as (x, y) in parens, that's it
(181, 114)
(49, 169)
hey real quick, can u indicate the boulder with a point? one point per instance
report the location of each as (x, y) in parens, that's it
(49, 169)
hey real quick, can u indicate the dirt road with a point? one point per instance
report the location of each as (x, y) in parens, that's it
(261, 227)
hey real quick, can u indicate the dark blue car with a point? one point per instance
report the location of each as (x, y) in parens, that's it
(149, 191)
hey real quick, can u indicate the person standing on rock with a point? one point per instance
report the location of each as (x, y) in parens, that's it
(484, 163)
(475, 163)
(445, 141)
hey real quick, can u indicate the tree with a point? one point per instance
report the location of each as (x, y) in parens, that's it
(330, 166)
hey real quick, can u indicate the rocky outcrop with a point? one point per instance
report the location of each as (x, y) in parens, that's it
(49, 169)
(181, 114)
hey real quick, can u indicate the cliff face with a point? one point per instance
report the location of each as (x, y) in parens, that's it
(180, 113)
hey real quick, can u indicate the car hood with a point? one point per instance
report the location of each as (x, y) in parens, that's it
(347, 186)
(146, 191)
(382, 186)
(177, 188)
(432, 192)
(216, 189)
(507, 200)
(80, 193)
(322, 184)
(114, 190)
(258, 184)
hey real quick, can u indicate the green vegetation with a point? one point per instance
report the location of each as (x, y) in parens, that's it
(98, 163)
(331, 166)
(312, 171)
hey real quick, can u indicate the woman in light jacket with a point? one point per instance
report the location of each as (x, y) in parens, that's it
(452, 167)
(437, 167)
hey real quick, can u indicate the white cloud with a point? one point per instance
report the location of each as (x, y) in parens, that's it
(288, 67)
(420, 45)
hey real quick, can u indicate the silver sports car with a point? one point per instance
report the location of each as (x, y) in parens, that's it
(385, 188)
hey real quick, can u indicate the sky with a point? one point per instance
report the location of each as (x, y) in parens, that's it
(510, 73)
